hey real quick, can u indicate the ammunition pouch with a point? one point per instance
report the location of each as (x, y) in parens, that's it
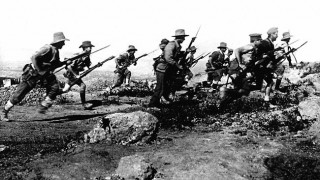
(29, 75)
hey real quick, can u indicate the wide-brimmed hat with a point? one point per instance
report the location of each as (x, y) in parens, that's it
(223, 45)
(286, 35)
(132, 48)
(193, 48)
(86, 44)
(179, 33)
(58, 37)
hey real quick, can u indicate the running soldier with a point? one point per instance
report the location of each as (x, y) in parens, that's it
(281, 68)
(160, 67)
(122, 63)
(265, 56)
(41, 68)
(73, 73)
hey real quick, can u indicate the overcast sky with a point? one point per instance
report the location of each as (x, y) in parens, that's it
(28, 25)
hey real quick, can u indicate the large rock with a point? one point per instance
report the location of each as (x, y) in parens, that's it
(310, 110)
(124, 128)
(135, 167)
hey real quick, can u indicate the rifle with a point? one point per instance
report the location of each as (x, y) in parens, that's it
(134, 61)
(84, 54)
(261, 61)
(91, 69)
(278, 60)
(199, 58)
(190, 44)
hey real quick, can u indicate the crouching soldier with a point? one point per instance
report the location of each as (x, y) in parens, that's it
(43, 64)
(122, 64)
(73, 73)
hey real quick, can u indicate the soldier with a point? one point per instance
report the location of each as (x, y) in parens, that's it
(244, 54)
(281, 68)
(122, 63)
(265, 56)
(215, 66)
(73, 73)
(43, 64)
(162, 82)
(171, 54)
(245, 57)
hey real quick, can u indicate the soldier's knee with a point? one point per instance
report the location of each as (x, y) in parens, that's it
(14, 99)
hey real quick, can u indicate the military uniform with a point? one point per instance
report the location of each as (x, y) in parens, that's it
(73, 70)
(261, 71)
(215, 66)
(122, 72)
(41, 69)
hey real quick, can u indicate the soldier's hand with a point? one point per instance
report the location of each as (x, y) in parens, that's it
(68, 62)
(179, 66)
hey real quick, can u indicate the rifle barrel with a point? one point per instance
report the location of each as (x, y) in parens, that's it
(79, 56)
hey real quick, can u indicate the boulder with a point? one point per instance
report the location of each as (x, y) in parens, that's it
(310, 110)
(134, 167)
(124, 128)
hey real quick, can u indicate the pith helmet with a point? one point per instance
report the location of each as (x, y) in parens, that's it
(58, 37)
(86, 44)
(179, 33)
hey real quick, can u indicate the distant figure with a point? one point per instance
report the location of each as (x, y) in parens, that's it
(215, 65)
(281, 68)
(73, 73)
(122, 63)
(44, 62)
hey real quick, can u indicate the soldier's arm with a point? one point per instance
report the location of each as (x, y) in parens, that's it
(214, 57)
(38, 64)
(119, 59)
(169, 53)
(242, 50)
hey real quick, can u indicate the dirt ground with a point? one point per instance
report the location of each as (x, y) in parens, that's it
(51, 146)
(189, 145)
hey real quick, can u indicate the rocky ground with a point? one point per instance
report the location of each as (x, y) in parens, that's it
(189, 139)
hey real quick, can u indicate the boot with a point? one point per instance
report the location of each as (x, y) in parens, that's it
(5, 111)
(45, 104)
(4, 115)
(277, 86)
(86, 106)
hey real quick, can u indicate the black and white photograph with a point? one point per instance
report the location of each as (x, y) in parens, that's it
(159, 90)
